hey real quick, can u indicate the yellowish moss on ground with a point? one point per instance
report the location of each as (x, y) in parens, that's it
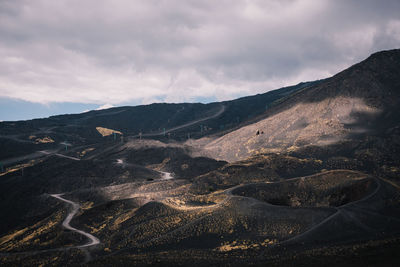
(84, 152)
(160, 166)
(244, 244)
(87, 205)
(106, 132)
(45, 228)
(95, 230)
(9, 237)
(44, 140)
(19, 167)
(30, 234)
(122, 218)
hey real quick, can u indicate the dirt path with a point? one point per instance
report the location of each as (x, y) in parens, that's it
(66, 223)
(219, 112)
(35, 155)
(92, 240)
(58, 155)
(339, 210)
(15, 137)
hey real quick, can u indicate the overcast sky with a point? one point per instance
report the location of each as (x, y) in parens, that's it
(115, 52)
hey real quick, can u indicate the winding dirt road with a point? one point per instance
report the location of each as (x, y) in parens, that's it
(93, 241)
(66, 223)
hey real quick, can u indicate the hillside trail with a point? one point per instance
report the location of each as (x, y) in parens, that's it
(36, 155)
(345, 210)
(219, 112)
(92, 240)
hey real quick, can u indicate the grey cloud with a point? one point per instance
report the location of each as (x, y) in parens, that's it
(117, 51)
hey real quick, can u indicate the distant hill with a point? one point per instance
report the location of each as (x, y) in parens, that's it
(179, 121)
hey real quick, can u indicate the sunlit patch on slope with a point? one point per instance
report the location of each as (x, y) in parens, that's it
(106, 132)
(324, 122)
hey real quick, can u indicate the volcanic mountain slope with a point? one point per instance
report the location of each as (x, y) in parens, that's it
(360, 101)
(319, 183)
(176, 120)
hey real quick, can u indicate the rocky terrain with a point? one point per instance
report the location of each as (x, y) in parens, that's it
(304, 175)
(354, 104)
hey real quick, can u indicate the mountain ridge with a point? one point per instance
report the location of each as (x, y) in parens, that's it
(336, 108)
